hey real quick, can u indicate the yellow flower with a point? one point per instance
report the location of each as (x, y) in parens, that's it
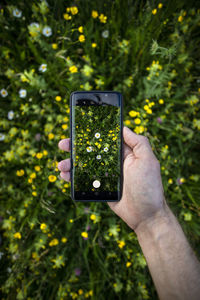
(66, 119)
(64, 126)
(127, 122)
(81, 38)
(94, 45)
(170, 181)
(148, 78)
(54, 46)
(58, 98)
(133, 113)
(146, 107)
(24, 79)
(73, 69)
(20, 172)
(80, 29)
(93, 217)
(151, 104)
(102, 18)
(74, 10)
(34, 193)
(50, 136)
(121, 244)
(84, 234)
(39, 155)
(53, 242)
(43, 226)
(137, 121)
(128, 264)
(64, 240)
(30, 180)
(161, 101)
(182, 180)
(154, 11)
(67, 17)
(66, 185)
(149, 111)
(160, 5)
(71, 220)
(180, 19)
(52, 178)
(80, 291)
(139, 129)
(94, 14)
(17, 235)
(33, 175)
(45, 152)
(37, 168)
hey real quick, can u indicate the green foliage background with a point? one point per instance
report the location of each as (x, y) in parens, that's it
(147, 53)
(91, 120)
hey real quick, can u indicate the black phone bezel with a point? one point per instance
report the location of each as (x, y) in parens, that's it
(121, 152)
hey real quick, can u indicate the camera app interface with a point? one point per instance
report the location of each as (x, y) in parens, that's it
(96, 148)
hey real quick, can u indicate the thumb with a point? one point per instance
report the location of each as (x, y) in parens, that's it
(138, 143)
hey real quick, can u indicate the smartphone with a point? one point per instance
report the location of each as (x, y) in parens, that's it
(96, 145)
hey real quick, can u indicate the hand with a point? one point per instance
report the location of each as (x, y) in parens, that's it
(143, 195)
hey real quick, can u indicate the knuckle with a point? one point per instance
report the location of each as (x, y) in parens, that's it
(144, 139)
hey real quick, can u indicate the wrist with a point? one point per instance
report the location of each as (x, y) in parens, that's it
(154, 225)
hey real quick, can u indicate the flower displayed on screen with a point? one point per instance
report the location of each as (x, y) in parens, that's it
(17, 13)
(4, 93)
(97, 148)
(97, 135)
(89, 149)
(47, 31)
(22, 93)
(43, 68)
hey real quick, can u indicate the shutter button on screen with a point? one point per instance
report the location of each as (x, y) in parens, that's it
(96, 184)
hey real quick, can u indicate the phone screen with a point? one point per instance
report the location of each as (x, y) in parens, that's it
(96, 119)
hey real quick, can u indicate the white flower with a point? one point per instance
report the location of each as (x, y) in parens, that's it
(89, 149)
(43, 67)
(105, 149)
(4, 93)
(98, 156)
(2, 136)
(97, 135)
(17, 13)
(22, 93)
(105, 34)
(10, 114)
(47, 31)
(35, 24)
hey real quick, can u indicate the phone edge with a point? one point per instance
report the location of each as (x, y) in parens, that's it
(121, 152)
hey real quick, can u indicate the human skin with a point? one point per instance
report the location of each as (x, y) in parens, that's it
(172, 263)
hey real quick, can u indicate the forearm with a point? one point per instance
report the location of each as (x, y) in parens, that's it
(173, 266)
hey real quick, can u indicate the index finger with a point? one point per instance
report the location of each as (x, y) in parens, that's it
(64, 144)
